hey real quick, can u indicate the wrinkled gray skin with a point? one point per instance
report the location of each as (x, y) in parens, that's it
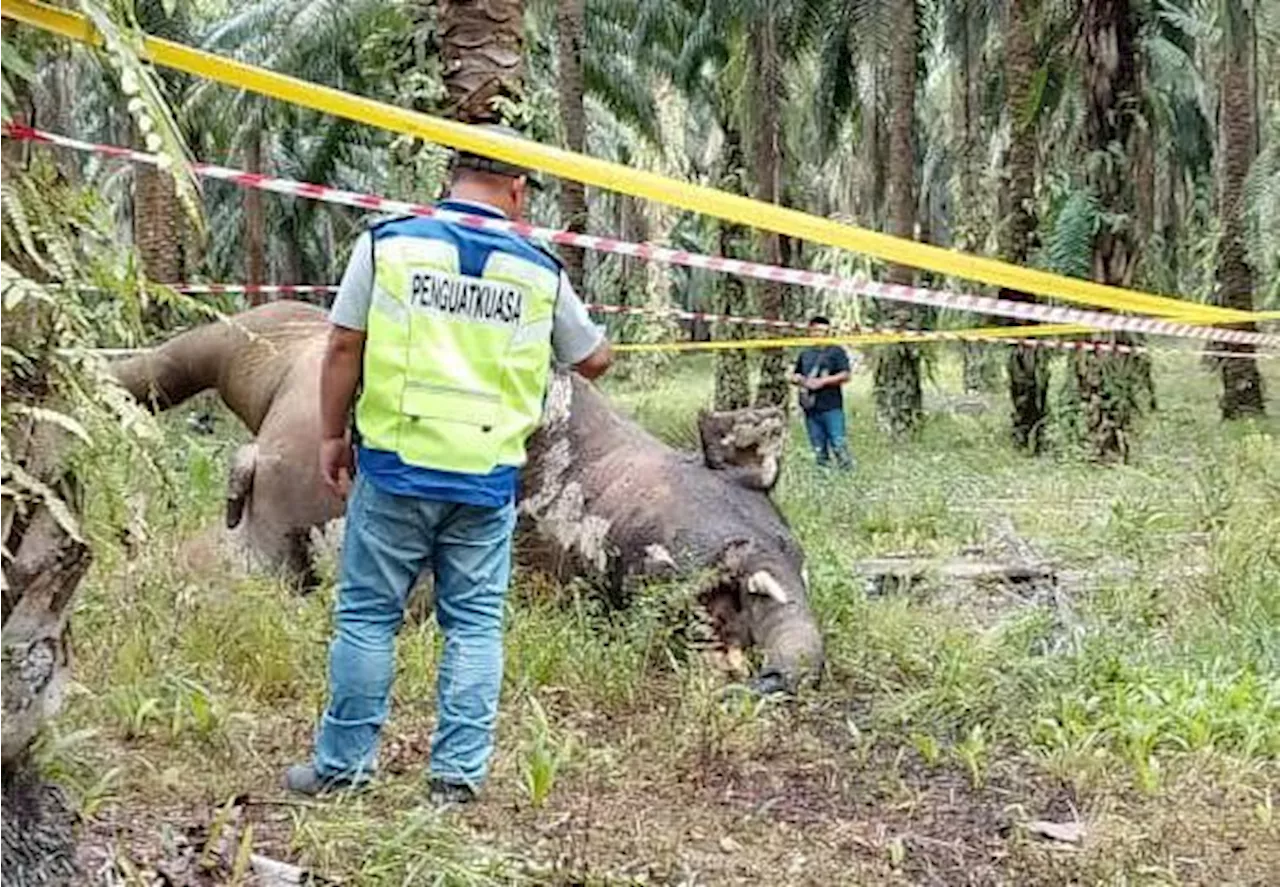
(599, 496)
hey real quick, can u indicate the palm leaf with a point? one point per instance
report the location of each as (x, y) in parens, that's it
(618, 86)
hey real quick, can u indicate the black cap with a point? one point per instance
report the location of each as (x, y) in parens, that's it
(480, 163)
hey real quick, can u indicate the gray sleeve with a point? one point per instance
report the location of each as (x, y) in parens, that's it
(573, 335)
(355, 293)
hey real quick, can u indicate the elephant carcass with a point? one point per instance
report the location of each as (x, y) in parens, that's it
(599, 493)
(618, 503)
(265, 365)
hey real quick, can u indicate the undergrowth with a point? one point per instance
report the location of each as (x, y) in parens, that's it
(1148, 684)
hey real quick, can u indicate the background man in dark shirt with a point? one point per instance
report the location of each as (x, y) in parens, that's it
(819, 373)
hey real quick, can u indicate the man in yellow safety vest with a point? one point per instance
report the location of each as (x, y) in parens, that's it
(449, 331)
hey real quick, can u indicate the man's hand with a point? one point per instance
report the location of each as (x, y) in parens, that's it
(814, 383)
(339, 376)
(829, 381)
(336, 464)
(595, 364)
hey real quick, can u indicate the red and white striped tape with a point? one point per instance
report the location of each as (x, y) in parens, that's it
(794, 276)
(304, 289)
(1057, 345)
(265, 289)
(707, 317)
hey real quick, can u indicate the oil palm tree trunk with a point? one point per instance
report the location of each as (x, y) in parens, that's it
(1112, 387)
(42, 566)
(570, 25)
(767, 82)
(980, 368)
(255, 222)
(1242, 392)
(482, 43)
(897, 367)
(872, 150)
(1028, 367)
(255, 219)
(155, 224)
(733, 371)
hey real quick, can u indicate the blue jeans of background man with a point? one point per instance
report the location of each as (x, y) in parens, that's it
(388, 541)
(826, 436)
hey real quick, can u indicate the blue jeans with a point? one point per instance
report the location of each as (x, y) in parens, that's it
(826, 436)
(389, 540)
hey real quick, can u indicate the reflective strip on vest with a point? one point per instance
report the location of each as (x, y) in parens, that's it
(455, 367)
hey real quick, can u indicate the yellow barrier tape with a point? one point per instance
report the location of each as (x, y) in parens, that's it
(637, 183)
(887, 338)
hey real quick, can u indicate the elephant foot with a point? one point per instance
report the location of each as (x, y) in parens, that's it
(299, 565)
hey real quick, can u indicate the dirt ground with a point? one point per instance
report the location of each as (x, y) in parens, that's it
(805, 801)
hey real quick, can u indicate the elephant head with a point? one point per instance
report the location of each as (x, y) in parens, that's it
(619, 504)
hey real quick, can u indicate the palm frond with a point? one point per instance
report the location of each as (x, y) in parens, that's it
(252, 22)
(621, 89)
(806, 24)
(837, 82)
(704, 46)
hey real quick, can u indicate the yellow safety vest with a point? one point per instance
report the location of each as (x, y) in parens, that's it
(455, 366)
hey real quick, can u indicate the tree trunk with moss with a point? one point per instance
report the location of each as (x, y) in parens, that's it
(766, 76)
(570, 24)
(1028, 367)
(733, 370)
(1113, 388)
(897, 367)
(255, 223)
(1242, 391)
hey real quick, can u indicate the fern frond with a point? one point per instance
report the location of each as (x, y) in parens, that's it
(16, 288)
(1068, 246)
(15, 213)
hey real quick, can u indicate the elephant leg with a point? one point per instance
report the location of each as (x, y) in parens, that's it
(277, 550)
(300, 564)
(288, 499)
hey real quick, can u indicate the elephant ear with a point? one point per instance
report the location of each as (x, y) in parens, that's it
(747, 444)
(240, 483)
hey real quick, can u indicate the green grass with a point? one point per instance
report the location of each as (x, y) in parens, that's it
(1145, 699)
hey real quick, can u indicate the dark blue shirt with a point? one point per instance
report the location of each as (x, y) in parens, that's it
(830, 360)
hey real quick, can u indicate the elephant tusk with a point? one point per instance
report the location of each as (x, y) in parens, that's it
(762, 582)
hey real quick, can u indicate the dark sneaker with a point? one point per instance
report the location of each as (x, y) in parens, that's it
(303, 779)
(443, 792)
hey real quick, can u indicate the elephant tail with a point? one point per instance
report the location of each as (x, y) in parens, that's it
(240, 483)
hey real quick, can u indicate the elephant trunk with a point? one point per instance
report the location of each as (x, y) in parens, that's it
(245, 357)
(783, 628)
(181, 368)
